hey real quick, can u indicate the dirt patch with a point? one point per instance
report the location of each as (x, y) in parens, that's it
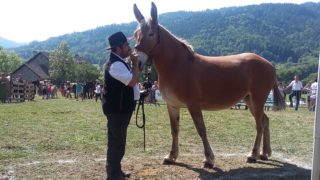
(187, 167)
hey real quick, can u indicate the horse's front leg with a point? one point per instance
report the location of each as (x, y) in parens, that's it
(201, 129)
(174, 114)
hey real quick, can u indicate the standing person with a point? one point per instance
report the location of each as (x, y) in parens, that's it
(73, 88)
(307, 89)
(281, 88)
(120, 90)
(147, 84)
(69, 91)
(154, 88)
(313, 95)
(98, 92)
(44, 91)
(78, 90)
(49, 91)
(297, 86)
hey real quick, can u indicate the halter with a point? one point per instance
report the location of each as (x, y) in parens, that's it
(158, 42)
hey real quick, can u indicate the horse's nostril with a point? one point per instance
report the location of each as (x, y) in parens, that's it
(140, 65)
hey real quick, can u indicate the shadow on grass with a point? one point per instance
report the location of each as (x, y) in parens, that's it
(272, 169)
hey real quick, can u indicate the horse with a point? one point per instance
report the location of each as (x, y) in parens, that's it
(197, 82)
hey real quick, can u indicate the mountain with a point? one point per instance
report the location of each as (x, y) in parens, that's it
(279, 32)
(5, 43)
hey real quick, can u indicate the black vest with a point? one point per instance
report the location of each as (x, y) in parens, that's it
(117, 97)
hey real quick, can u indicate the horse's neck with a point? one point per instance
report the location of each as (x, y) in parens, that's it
(168, 55)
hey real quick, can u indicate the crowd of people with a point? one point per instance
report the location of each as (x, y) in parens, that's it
(48, 90)
(149, 89)
(77, 90)
(296, 88)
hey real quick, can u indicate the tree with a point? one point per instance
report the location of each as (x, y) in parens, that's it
(9, 61)
(86, 72)
(62, 64)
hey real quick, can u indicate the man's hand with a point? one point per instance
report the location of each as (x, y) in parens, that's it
(134, 59)
(134, 69)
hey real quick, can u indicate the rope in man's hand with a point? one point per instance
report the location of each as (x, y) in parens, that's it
(142, 125)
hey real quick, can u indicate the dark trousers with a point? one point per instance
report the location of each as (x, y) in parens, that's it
(117, 134)
(98, 96)
(297, 94)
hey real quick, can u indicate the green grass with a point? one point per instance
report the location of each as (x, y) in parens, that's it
(43, 130)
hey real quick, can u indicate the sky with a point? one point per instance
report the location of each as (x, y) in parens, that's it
(29, 20)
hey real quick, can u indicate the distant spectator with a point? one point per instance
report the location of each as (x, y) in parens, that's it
(44, 91)
(307, 89)
(147, 84)
(68, 91)
(297, 86)
(281, 88)
(313, 95)
(74, 86)
(62, 90)
(78, 90)
(49, 91)
(154, 88)
(98, 92)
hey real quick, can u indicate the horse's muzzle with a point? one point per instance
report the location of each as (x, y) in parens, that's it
(143, 58)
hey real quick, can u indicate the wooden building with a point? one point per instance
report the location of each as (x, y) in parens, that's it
(35, 69)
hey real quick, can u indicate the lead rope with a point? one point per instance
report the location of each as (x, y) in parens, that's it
(141, 103)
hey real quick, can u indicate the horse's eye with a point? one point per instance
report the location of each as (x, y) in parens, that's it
(150, 34)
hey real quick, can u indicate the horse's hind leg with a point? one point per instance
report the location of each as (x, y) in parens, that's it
(201, 129)
(256, 110)
(266, 151)
(174, 114)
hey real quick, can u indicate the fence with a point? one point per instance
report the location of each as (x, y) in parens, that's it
(16, 91)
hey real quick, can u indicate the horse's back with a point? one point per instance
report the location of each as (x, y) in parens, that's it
(219, 82)
(245, 66)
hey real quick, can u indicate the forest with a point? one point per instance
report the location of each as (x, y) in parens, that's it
(288, 35)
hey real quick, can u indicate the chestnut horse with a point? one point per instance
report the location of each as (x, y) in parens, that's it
(197, 82)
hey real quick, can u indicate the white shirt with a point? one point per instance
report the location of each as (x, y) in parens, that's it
(120, 72)
(98, 89)
(314, 90)
(296, 85)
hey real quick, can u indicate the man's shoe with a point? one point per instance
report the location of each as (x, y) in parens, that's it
(126, 174)
(116, 178)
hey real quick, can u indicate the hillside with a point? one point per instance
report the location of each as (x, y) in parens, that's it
(279, 32)
(5, 43)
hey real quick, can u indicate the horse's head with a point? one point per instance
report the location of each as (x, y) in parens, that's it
(147, 33)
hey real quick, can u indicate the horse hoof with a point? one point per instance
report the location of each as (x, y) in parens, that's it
(264, 157)
(251, 160)
(208, 165)
(168, 162)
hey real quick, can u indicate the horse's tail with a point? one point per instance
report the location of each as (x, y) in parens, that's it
(278, 100)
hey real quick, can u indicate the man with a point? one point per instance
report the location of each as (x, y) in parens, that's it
(120, 88)
(296, 85)
(313, 95)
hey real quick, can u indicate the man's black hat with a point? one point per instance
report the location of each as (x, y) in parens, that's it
(117, 39)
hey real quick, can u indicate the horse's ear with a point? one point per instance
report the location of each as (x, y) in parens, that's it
(137, 13)
(154, 14)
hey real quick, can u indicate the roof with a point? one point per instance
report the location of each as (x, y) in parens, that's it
(36, 70)
(46, 54)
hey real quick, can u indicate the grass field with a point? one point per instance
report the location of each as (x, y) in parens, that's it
(66, 139)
